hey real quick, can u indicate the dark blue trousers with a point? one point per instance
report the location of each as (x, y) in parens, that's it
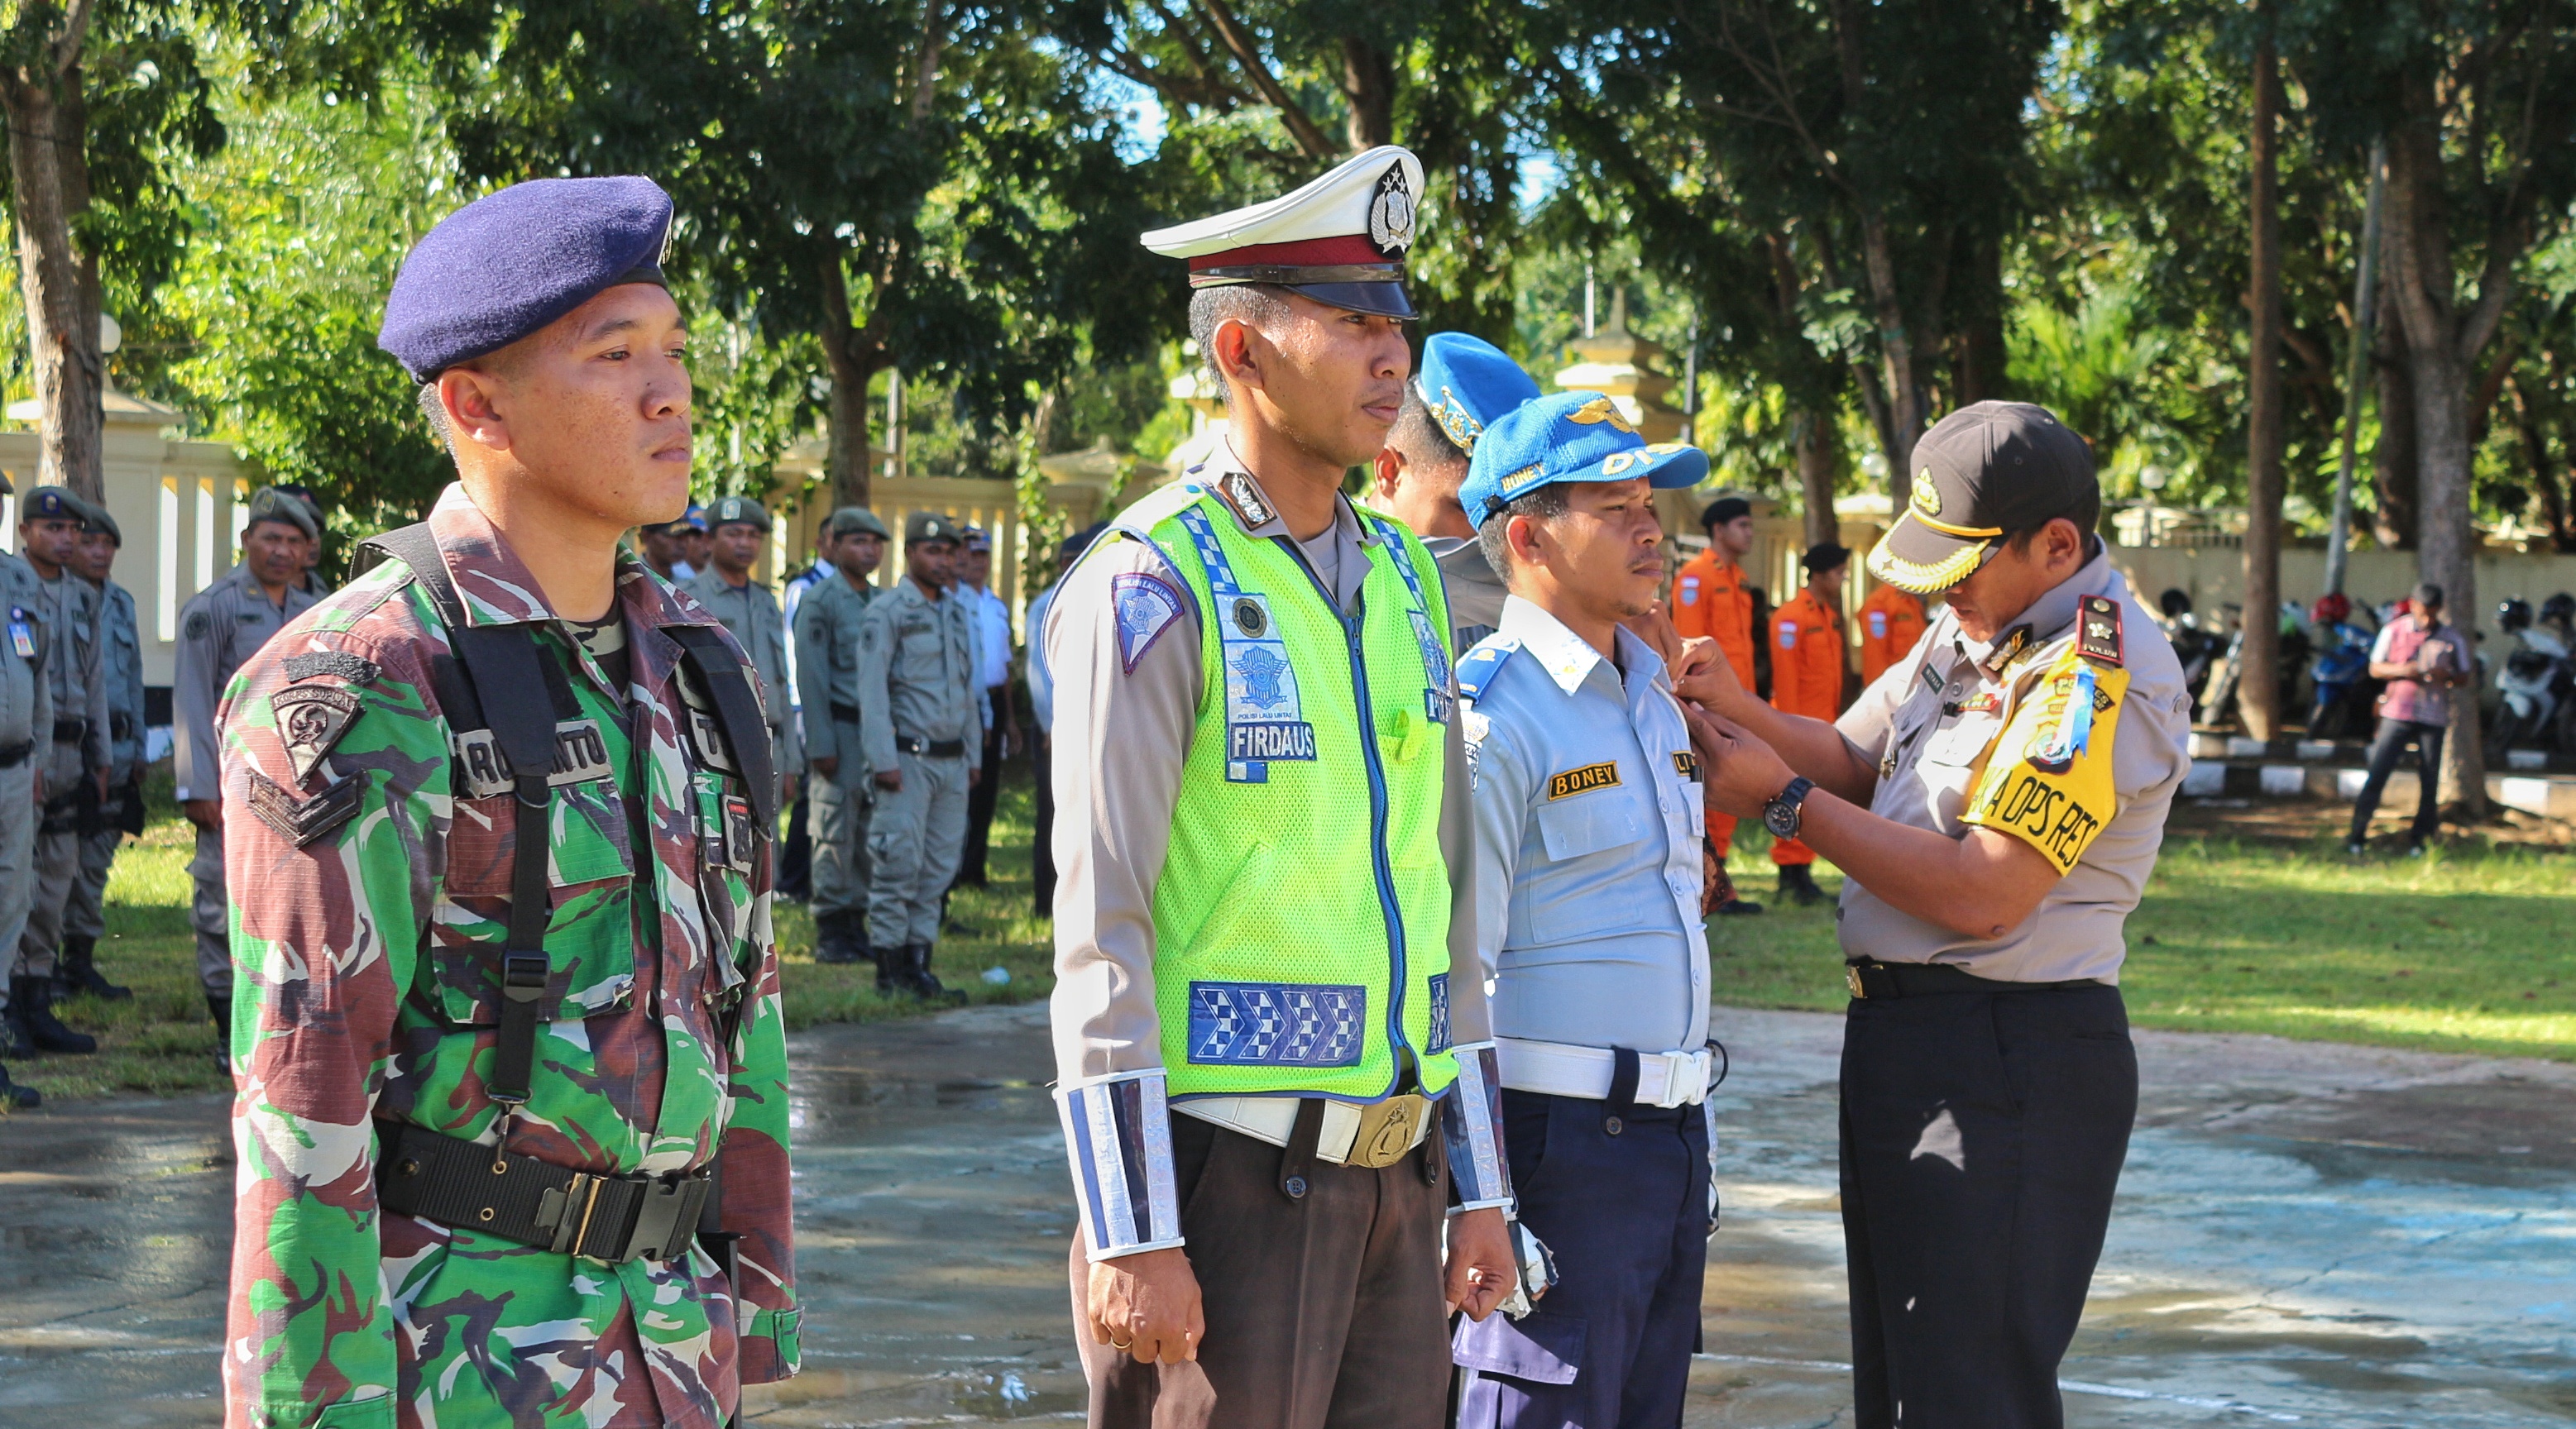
(1621, 1197)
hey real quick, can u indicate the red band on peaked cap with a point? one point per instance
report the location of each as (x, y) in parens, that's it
(1343, 249)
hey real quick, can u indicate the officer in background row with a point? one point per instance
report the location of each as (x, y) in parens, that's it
(737, 528)
(1465, 385)
(796, 855)
(662, 546)
(1891, 621)
(120, 647)
(923, 734)
(1712, 600)
(70, 768)
(26, 724)
(839, 790)
(973, 587)
(220, 628)
(1995, 801)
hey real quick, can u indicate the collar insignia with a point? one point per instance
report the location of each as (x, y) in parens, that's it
(1244, 495)
(2007, 650)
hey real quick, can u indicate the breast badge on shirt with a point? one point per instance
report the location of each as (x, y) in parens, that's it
(2049, 780)
(1265, 719)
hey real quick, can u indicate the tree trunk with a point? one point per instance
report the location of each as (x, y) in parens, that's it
(1368, 84)
(2392, 461)
(1896, 358)
(2258, 695)
(852, 360)
(1814, 437)
(58, 283)
(1977, 350)
(2421, 287)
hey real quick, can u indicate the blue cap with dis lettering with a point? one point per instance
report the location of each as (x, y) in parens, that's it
(1572, 436)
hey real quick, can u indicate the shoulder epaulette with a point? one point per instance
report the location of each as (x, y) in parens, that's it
(2097, 629)
(1476, 669)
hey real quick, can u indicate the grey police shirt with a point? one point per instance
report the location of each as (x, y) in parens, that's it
(26, 696)
(220, 628)
(750, 612)
(76, 673)
(120, 646)
(827, 673)
(1588, 814)
(917, 674)
(1474, 592)
(2010, 734)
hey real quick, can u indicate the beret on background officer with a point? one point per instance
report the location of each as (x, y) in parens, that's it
(485, 1074)
(1465, 385)
(1995, 800)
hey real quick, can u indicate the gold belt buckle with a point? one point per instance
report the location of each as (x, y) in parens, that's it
(1388, 1130)
(1851, 977)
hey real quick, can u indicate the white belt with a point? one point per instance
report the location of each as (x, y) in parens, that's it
(1664, 1079)
(1393, 1127)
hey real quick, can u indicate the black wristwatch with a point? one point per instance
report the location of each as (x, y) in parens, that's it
(1780, 811)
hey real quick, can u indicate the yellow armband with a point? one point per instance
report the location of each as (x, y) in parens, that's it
(2047, 780)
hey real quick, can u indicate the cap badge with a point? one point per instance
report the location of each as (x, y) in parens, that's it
(1462, 426)
(1927, 498)
(1390, 218)
(1597, 411)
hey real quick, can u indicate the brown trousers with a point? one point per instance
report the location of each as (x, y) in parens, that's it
(1323, 1311)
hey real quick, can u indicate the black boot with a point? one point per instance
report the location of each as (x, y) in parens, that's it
(893, 972)
(1798, 885)
(15, 1040)
(219, 1006)
(14, 1095)
(31, 1005)
(833, 942)
(925, 986)
(77, 975)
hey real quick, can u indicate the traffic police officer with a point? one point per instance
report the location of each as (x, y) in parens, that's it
(500, 846)
(71, 765)
(1273, 1062)
(1464, 385)
(26, 722)
(1588, 923)
(737, 526)
(120, 647)
(1995, 800)
(921, 730)
(840, 788)
(220, 628)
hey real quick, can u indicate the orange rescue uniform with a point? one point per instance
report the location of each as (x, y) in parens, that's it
(1891, 621)
(1806, 678)
(1710, 602)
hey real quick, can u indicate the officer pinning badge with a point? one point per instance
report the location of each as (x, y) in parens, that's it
(1390, 215)
(1145, 606)
(301, 821)
(311, 719)
(335, 664)
(1565, 784)
(2097, 633)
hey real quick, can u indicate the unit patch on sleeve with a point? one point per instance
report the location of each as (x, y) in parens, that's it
(2049, 783)
(1146, 606)
(1568, 783)
(311, 719)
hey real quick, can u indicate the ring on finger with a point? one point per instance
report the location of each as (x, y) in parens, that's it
(1113, 1344)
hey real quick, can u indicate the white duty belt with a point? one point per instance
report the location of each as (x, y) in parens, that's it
(1381, 1132)
(1664, 1079)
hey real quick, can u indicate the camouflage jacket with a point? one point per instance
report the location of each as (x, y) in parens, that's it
(370, 858)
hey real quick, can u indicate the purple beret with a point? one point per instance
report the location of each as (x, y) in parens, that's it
(509, 263)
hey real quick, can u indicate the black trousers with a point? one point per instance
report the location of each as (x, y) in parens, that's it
(1982, 1136)
(979, 803)
(1042, 853)
(796, 859)
(2385, 747)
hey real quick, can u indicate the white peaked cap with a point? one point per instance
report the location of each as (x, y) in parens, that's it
(1340, 240)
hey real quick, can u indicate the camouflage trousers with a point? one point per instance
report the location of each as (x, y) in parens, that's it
(211, 916)
(839, 825)
(914, 838)
(85, 916)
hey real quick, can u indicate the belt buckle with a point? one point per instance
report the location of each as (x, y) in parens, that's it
(569, 1211)
(1387, 1130)
(1851, 979)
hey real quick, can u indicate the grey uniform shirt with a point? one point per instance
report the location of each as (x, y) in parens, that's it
(220, 627)
(827, 673)
(1475, 593)
(26, 696)
(750, 611)
(1121, 737)
(1588, 813)
(77, 673)
(1942, 725)
(120, 647)
(917, 674)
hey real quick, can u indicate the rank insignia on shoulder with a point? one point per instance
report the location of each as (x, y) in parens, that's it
(1244, 495)
(339, 664)
(301, 821)
(1686, 764)
(2097, 632)
(1570, 782)
(311, 719)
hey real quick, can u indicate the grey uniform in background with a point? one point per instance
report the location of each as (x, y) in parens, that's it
(750, 611)
(918, 713)
(220, 628)
(26, 727)
(68, 611)
(827, 671)
(120, 646)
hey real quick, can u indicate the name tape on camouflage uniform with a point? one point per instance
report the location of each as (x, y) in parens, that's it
(581, 755)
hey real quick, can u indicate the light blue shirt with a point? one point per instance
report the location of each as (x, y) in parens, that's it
(1041, 683)
(1587, 800)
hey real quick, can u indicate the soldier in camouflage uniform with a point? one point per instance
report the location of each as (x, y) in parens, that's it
(120, 647)
(70, 767)
(841, 791)
(481, 1096)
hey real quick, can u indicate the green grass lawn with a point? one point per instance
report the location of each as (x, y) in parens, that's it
(2470, 949)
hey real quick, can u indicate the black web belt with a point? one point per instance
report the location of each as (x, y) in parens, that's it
(481, 1188)
(70, 731)
(15, 755)
(846, 714)
(931, 748)
(1874, 981)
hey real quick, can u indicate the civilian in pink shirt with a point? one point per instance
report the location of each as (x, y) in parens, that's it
(2422, 660)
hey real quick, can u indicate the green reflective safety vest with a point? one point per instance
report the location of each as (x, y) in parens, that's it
(1302, 920)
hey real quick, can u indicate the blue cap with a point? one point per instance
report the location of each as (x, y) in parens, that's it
(1467, 383)
(696, 516)
(1572, 436)
(509, 263)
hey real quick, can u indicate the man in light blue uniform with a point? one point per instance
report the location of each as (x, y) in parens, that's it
(1589, 898)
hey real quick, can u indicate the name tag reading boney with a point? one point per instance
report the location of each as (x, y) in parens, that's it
(581, 755)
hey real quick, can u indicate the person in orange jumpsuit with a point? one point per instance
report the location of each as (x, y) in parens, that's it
(1711, 600)
(1891, 621)
(1807, 665)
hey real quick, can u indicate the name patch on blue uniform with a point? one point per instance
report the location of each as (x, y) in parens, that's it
(1274, 1024)
(1568, 783)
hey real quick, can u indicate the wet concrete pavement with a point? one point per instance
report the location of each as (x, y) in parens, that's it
(2306, 1233)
